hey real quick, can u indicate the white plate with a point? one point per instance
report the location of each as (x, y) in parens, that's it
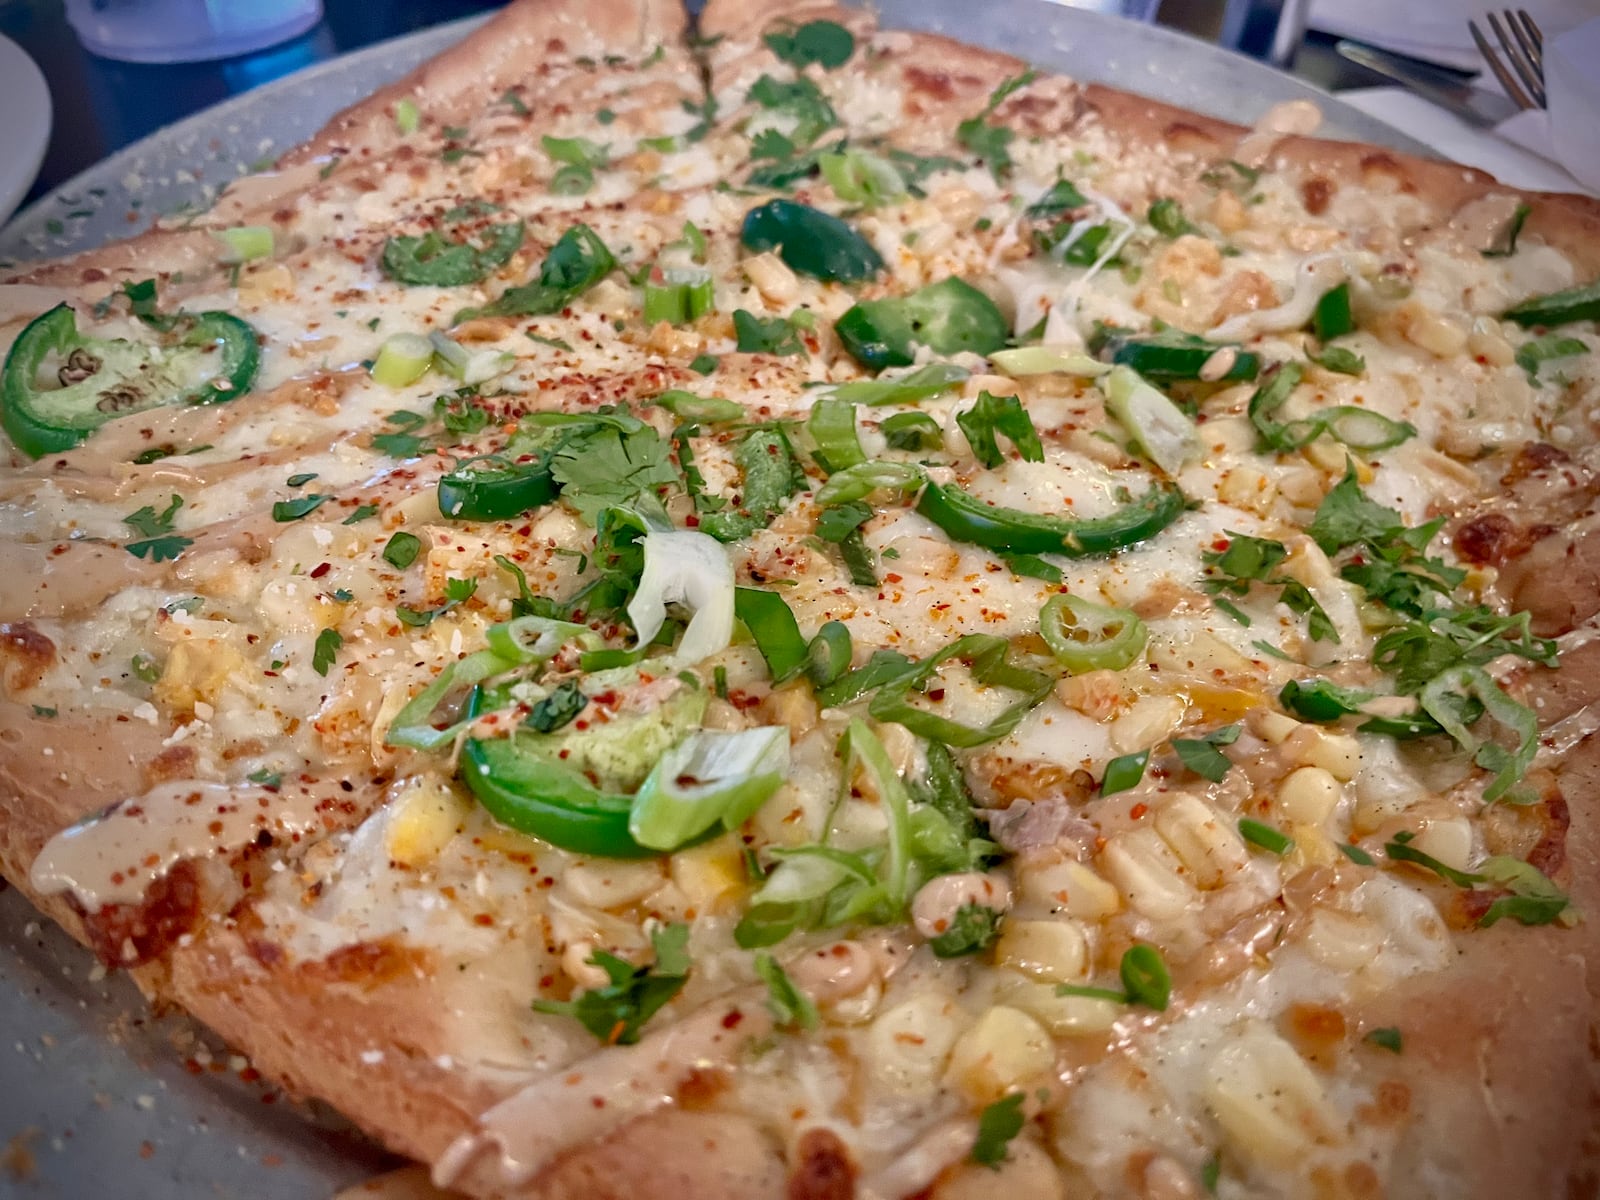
(25, 130)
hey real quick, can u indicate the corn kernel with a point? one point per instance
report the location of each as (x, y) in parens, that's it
(1271, 727)
(1342, 940)
(1270, 1104)
(1449, 839)
(1027, 1171)
(1337, 753)
(1149, 875)
(611, 884)
(1203, 842)
(909, 1044)
(1006, 1049)
(1068, 886)
(1056, 951)
(709, 870)
(1063, 1016)
(1308, 795)
(1148, 720)
(423, 818)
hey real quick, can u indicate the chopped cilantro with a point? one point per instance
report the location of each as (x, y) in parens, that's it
(1202, 756)
(1252, 560)
(1388, 1038)
(326, 649)
(773, 335)
(972, 929)
(360, 513)
(824, 42)
(998, 1123)
(616, 1012)
(302, 506)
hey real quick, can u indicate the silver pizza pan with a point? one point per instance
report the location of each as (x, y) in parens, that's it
(99, 1098)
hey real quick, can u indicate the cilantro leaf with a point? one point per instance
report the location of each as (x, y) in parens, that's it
(991, 143)
(1250, 560)
(557, 709)
(973, 928)
(617, 1012)
(161, 549)
(612, 466)
(300, 506)
(825, 42)
(1202, 756)
(148, 522)
(326, 649)
(1388, 1038)
(992, 415)
(1531, 355)
(998, 1123)
(773, 335)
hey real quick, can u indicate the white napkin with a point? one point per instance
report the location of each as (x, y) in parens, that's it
(1555, 151)
(1435, 29)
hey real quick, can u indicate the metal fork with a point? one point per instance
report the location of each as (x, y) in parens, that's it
(1523, 47)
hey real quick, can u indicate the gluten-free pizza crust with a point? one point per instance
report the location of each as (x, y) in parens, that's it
(1264, 867)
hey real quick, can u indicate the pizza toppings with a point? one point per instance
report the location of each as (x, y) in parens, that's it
(1030, 634)
(58, 386)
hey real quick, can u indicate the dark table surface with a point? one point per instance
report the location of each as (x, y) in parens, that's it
(101, 106)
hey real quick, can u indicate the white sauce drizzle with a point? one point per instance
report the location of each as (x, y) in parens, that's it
(115, 855)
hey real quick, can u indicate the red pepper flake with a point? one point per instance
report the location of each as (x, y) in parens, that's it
(732, 1019)
(321, 569)
(1139, 810)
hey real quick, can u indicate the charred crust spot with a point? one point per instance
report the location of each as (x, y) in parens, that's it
(367, 964)
(1532, 459)
(129, 935)
(25, 655)
(700, 1088)
(1315, 194)
(932, 83)
(1489, 538)
(175, 762)
(822, 1168)
(1550, 854)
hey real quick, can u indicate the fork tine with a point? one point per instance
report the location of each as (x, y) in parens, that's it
(1507, 80)
(1519, 63)
(1528, 37)
(1534, 32)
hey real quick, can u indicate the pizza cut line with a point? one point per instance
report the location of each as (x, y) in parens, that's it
(799, 608)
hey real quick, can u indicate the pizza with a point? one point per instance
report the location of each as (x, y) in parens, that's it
(792, 608)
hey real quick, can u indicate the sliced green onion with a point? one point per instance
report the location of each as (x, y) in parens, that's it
(529, 640)
(681, 566)
(1145, 977)
(777, 635)
(817, 870)
(860, 481)
(828, 656)
(1274, 841)
(700, 410)
(245, 242)
(402, 360)
(1085, 636)
(832, 426)
(860, 747)
(988, 658)
(912, 431)
(922, 384)
(407, 116)
(858, 177)
(683, 294)
(1158, 426)
(471, 367)
(711, 776)
(1045, 360)
(1332, 316)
